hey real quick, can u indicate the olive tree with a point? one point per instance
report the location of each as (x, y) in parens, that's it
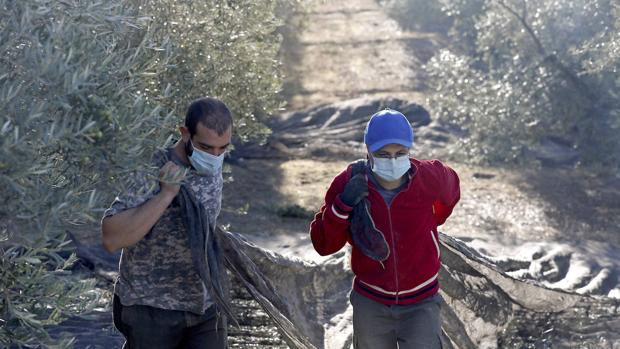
(523, 70)
(88, 90)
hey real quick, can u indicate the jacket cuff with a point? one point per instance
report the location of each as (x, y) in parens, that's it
(341, 206)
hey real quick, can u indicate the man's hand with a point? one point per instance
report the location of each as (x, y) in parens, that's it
(355, 190)
(170, 177)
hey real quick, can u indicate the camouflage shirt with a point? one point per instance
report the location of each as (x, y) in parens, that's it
(158, 270)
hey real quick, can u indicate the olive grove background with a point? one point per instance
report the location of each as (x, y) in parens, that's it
(519, 72)
(88, 89)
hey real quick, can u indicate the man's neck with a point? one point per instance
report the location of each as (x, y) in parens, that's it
(179, 150)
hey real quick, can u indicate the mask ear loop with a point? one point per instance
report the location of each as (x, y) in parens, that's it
(370, 160)
(189, 147)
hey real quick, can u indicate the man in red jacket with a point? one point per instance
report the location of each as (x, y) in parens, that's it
(395, 300)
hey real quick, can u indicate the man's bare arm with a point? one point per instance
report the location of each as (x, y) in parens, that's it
(130, 226)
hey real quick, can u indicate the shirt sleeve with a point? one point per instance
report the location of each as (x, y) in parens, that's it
(329, 231)
(139, 188)
(448, 191)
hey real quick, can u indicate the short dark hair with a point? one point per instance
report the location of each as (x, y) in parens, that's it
(211, 112)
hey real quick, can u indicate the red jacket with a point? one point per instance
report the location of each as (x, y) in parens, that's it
(409, 225)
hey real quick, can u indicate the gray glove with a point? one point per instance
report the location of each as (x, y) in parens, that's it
(355, 190)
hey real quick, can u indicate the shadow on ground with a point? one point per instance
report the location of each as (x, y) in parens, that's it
(581, 205)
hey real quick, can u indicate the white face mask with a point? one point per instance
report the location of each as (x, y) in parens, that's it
(391, 169)
(205, 163)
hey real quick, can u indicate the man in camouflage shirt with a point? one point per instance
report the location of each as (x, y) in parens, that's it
(160, 300)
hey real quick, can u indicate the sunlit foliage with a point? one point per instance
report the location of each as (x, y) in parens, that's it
(533, 69)
(518, 71)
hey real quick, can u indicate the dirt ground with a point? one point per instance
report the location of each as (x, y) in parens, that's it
(349, 49)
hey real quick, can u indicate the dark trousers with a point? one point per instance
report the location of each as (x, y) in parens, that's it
(146, 327)
(379, 326)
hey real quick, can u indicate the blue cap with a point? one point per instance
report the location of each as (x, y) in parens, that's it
(388, 127)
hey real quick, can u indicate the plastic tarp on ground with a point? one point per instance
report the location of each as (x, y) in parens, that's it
(484, 307)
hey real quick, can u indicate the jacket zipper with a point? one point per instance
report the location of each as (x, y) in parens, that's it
(392, 233)
(393, 249)
(389, 206)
